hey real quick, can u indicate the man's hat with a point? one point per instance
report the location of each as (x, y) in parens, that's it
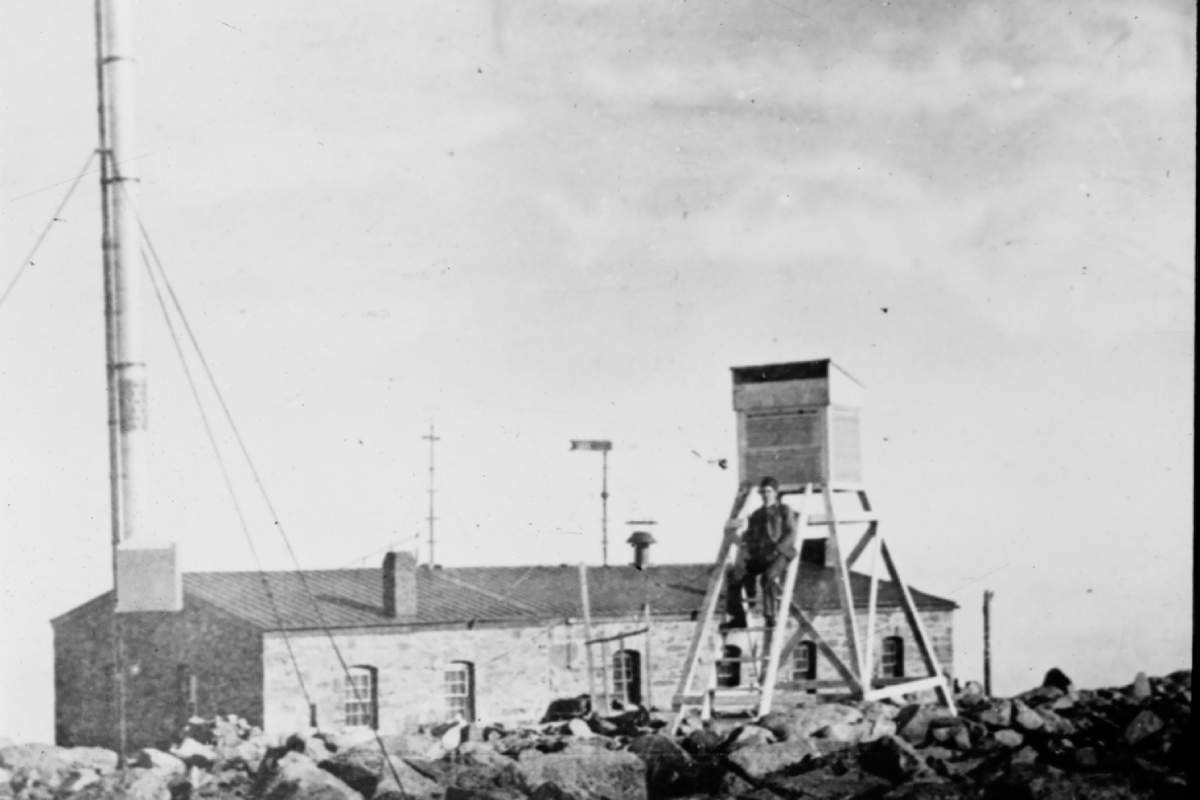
(769, 481)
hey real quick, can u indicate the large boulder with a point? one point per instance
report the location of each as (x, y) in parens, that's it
(669, 768)
(294, 776)
(365, 768)
(758, 761)
(36, 764)
(747, 736)
(601, 775)
(157, 761)
(479, 777)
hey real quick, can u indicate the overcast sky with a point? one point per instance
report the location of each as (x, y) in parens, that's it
(532, 222)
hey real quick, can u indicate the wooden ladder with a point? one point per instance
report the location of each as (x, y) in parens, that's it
(699, 687)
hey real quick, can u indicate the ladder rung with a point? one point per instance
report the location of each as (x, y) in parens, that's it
(751, 629)
(687, 700)
(733, 692)
(739, 660)
(849, 519)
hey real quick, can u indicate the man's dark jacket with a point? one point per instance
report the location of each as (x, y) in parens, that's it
(770, 533)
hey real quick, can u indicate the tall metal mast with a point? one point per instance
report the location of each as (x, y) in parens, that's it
(126, 367)
(432, 439)
(146, 570)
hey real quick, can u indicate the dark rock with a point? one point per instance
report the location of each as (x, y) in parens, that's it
(1057, 679)
(927, 790)
(825, 785)
(912, 723)
(748, 736)
(494, 793)
(669, 768)
(509, 775)
(702, 742)
(628, 723)
(567, 708)
(1143, 726)
(1054, 724)
(892, 758)
(551, 791)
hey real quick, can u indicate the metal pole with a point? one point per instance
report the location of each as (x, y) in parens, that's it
(431, 438)
(604, 508)
(987, 642)
(110, 356)
(123, 320)
(649, 660)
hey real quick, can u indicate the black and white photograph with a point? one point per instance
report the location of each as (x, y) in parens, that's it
(597, 399)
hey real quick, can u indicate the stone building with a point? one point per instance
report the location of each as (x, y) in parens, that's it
(423, 644)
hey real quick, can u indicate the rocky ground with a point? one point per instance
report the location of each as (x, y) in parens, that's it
(1051, 742)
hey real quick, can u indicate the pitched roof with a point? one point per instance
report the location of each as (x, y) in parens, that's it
(353, 597)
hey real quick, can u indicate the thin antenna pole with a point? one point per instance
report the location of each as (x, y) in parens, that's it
(432, 438)
(987, 642)
(604, 509)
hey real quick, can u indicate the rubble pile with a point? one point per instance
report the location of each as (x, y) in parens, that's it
(1050, 742)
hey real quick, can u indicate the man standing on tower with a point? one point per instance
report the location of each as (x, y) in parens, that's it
(767, 546)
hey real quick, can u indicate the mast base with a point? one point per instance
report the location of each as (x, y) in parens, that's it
(148, 577)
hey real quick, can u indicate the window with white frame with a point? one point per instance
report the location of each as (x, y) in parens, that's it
(804, 661)
(891, 657)
(360, 702)
(627, 676)
(460, 690)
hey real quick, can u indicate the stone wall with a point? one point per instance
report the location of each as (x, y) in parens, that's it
(200, 652)
(517, 669)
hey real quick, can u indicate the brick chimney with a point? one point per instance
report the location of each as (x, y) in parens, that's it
(399, 585)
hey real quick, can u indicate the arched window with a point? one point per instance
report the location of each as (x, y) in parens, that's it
(361, 699)
(460, 690)
(729, 673)
(891, 659)
(627, 676)
(804, 661)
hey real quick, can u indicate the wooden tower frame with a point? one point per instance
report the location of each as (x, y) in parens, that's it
(798, 423)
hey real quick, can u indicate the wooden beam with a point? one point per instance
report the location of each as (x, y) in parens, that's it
(775, 645)
(867, 536)
(616, 636)
(845, 595)
(918, 629)
(849, 519)
(806, 624)
(710, 597)
(918, 685)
